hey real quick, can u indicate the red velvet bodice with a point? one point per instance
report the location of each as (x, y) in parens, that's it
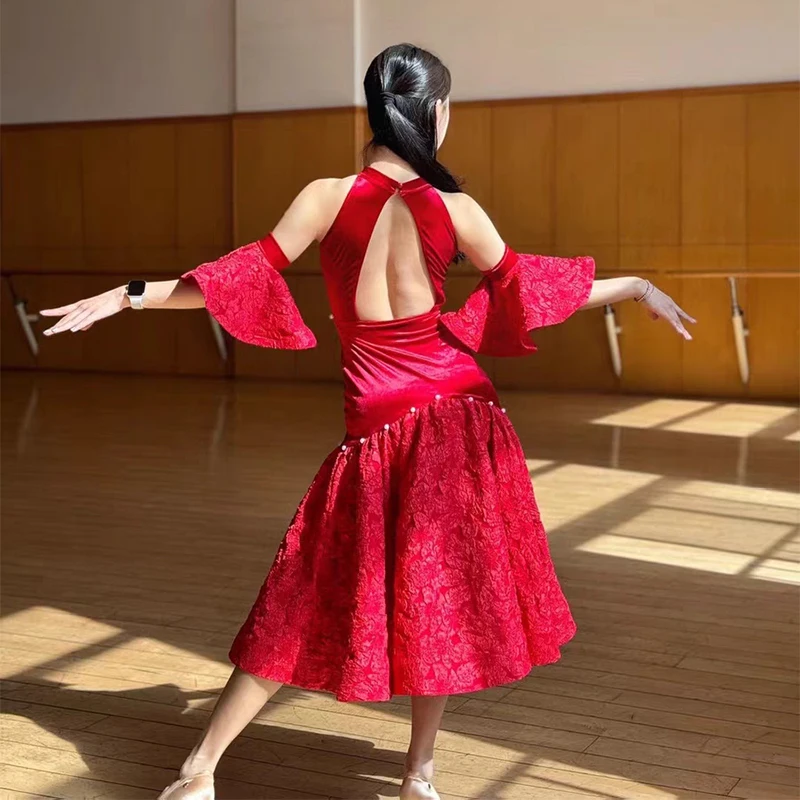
(394, 367)
(344, 246)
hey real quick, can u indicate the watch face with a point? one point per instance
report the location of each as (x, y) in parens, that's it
(136, 288)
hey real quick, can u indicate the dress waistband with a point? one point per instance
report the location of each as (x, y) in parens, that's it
(403, 331)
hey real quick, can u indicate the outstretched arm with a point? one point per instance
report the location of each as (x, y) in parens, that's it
(303, 222)
(482, 244)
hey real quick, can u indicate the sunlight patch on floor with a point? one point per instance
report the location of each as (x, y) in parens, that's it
(725, 508)
(741, 494)
(739, 420)
(704, 559)
(572, 491)
(63, 625)
(538, 463)
(774, 569)
(654, 413)
(669, 526)
(736, 420)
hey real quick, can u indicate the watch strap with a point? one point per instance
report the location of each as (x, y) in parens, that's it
(135, 292)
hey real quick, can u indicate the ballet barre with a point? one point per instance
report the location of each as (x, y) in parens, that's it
(740, 330)
(27, 319)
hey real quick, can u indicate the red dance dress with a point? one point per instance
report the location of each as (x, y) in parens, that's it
(416, 562)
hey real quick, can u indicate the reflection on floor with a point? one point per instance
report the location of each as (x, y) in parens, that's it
(141, 514)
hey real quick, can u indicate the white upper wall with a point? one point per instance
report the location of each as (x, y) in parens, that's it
(295, 53)
(65, 60)
(533, 48)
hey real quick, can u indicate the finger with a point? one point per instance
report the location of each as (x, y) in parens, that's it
(60, 311)
(59, 327)
(678, 325)
(64, 323)
(86, 327)
(684, 314)
(80, 320)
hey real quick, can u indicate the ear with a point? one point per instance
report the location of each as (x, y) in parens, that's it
(442, 119)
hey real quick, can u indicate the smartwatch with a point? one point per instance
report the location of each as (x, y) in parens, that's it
(135, 293)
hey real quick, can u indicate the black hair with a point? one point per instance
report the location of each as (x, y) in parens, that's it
(402, 86)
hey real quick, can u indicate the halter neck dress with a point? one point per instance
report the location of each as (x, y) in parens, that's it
(416, 563)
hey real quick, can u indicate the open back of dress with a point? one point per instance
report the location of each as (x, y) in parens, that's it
(416, 562)
(386, 254)
(385, 260)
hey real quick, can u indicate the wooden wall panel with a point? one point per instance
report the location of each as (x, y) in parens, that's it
(130, 197)
(660, 184)
(204, 209)
(523, 174)
(106, 190)
(587, 174)
(153, 200)
(42, 220)
(713, 169)
(276, 155)
(14, 350)
(467, 149)
(315, 144)
(60, 227)
(263, 181)
(21, 179)
(774, 340)
(652, 354)
(104, 198)
(650, 171)
(363, 135)
(163, 342)
(773, 317)
(773, 167)
(570, 357)
(329, 138)
(709, 365)
(192, 341)
(100, 202)
(259, 362)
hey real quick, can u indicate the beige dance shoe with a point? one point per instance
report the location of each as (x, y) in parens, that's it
(182, 788)
(415, 788)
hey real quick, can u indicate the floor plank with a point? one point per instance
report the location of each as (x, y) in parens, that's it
(140, 516)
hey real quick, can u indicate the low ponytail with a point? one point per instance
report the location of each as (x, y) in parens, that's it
(402, 86)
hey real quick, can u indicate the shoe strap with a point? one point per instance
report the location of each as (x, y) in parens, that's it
(204, 773)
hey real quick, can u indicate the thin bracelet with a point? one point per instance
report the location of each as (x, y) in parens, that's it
(647, 292)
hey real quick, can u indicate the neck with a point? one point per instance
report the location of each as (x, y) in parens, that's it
(384, 157)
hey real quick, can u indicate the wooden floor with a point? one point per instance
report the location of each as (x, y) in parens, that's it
(141, 514)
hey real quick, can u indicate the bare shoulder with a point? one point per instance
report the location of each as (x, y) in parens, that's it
(313, 209)
(328, 195)
(461, 205)
(330, 189)
(476, 233)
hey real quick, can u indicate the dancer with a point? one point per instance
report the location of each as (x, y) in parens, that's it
(416, 562)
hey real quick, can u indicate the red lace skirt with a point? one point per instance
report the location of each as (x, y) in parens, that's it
(416, 564)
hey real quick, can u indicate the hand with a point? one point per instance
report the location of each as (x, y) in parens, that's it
(662, 306)
(82, 315)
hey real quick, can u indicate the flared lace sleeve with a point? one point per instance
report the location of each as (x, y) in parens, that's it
(245, 292)
(522, 293)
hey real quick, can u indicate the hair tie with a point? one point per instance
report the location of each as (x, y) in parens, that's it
(389, 97)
